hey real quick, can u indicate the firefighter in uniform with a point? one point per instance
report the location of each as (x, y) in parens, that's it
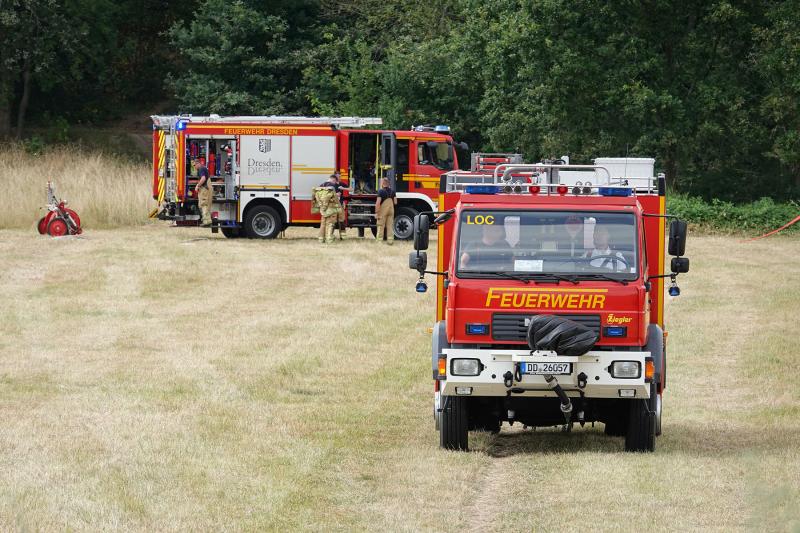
(204, 192)
(328, 199)
(384, 211)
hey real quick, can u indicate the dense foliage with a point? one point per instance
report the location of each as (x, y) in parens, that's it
(710, 89)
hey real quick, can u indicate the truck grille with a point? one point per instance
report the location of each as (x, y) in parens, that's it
(512, 327)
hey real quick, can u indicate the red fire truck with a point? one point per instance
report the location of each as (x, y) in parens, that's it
(550, 298)
(263, 169)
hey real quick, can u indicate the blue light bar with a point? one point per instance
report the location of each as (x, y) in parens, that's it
(442, 129)
(181, 125)
(480, 189)
(615, 191)
(615, 331)
(477, 329)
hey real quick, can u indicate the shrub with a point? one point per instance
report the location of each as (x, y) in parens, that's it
(756, 217)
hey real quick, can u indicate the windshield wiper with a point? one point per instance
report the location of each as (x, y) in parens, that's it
(603, 277)
(524, 279)
(556, 277)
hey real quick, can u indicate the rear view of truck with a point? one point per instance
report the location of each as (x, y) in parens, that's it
(550, 299)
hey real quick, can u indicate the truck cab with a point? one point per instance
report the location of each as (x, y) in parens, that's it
(549, 300)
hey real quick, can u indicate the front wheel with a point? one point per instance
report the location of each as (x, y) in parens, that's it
(641, 436)
(262, 222)
(404, 223)
(453, 428)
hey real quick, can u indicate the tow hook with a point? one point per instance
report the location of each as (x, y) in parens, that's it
(582, 379)
(508, 379)
(566, 404)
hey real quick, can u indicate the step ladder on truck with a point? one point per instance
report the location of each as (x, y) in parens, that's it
(264, 169)
(550, 287)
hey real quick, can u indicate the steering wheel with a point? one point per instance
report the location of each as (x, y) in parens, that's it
(614, 259)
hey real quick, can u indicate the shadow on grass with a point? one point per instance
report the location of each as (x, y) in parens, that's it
(682, 438)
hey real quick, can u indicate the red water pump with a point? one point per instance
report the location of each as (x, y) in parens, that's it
(60, 220)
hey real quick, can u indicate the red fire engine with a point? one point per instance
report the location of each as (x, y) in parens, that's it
(263, 169)
(550, 297)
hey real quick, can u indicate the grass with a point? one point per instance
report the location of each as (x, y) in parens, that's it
(106, 191)
(164, 379)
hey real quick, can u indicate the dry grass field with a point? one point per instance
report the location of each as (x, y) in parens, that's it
(106, 191)
(166, 379)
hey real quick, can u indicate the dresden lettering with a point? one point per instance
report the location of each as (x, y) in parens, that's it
(512, 299)
(254, 166)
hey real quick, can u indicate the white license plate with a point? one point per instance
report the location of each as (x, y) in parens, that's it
(546, 368)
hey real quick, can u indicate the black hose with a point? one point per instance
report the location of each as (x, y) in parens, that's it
(566, 404)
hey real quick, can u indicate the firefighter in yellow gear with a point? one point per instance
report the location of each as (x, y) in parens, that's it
(205, 193)
(327, 202)
(384, 211)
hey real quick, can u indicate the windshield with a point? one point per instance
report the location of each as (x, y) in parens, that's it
(531, 243)
(438, 154)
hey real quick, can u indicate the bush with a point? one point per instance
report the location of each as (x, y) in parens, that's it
(756, 217)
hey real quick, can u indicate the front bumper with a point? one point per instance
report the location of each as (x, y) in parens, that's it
(594, 365)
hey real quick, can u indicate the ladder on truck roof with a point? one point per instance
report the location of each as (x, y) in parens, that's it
(341, 122)
(544, 177)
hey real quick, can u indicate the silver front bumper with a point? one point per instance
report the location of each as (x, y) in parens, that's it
(496, 363)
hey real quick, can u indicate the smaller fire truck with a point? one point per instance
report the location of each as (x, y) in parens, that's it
(264, 168)
(550, 297)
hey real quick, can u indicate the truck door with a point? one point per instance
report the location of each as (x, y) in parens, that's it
(389, 158)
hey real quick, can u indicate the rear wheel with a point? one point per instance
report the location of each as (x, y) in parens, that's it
(453, 428)
(231, 233)
(404, 223)
(57, 227)
(641, 436)
(262, 222)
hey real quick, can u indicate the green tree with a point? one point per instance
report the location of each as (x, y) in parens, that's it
(241, 57)
(32, 32)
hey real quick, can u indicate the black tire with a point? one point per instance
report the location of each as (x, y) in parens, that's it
(617, 425)
(453, 432)
(231, 233)
(641, 436)
(404, 223)
(262, 222)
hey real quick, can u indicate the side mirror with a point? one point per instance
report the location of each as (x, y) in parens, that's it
(422, 226)
(464, 146)
(418, 261)
(679, 265)
(677, 238)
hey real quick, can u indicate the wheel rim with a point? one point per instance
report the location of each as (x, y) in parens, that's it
(57, 228)
(437, 405)
(263, 225)
(403, 227)
(658, 414)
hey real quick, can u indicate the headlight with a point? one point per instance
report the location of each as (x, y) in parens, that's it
(465, 367)
(626, 369)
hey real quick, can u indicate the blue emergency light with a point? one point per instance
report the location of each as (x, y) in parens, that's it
(480, 189)
(181, 125)
(442, 129)
(615, 191)
(615, 331)
(477, 329)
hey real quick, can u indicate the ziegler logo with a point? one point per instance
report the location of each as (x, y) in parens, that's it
(265, 145)
(612, 319)
(546, 298)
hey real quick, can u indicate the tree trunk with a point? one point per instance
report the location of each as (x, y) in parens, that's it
(5, 115)
(26, 94)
